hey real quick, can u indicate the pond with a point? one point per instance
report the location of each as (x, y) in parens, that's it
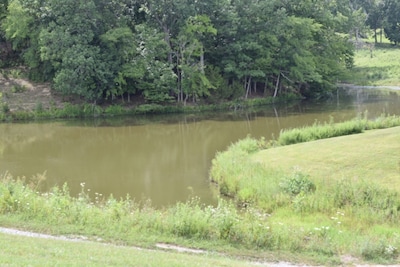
(165, 159)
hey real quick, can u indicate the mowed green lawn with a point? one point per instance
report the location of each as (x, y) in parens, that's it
(30, 251)
(373, 156)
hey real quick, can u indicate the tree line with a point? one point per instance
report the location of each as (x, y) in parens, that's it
(189, 50)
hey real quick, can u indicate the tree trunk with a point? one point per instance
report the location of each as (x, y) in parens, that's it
(248, 87)
(167, 37)
(277, 85)
(202, 61)
(265, 85)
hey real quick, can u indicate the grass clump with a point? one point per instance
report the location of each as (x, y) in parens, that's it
(378, 250)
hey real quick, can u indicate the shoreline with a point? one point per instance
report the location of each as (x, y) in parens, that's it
(353, 86)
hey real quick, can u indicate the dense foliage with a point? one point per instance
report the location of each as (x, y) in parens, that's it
(179, 51)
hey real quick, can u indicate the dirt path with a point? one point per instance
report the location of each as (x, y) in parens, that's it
(347, 260)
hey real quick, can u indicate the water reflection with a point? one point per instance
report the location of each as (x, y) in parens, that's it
(164, 158)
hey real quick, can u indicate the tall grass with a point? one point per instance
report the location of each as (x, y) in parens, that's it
(327, 130)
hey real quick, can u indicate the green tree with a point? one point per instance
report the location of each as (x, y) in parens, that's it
(118, 46)
(375, 11)
(183, 49)
(3, 15)
(87, 43)
(318, 51)
(392, 20)
(192, 81)
(21, 27)
(5, 47)
(168, 16)
(149, 71)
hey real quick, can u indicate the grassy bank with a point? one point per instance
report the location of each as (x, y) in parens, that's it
(330, 196)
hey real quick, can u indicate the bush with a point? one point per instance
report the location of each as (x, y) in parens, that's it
(92, 110)
(297, 183)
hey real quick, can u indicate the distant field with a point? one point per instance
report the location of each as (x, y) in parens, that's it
(377, 66)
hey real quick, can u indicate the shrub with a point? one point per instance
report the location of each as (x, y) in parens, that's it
(149, 108)
(4, 108)
(297, 183)
(374, 250)
(115, 110)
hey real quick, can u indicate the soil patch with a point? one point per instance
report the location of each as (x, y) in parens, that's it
(22, 95)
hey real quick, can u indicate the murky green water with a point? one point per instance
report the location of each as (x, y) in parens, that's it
(162, 158)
